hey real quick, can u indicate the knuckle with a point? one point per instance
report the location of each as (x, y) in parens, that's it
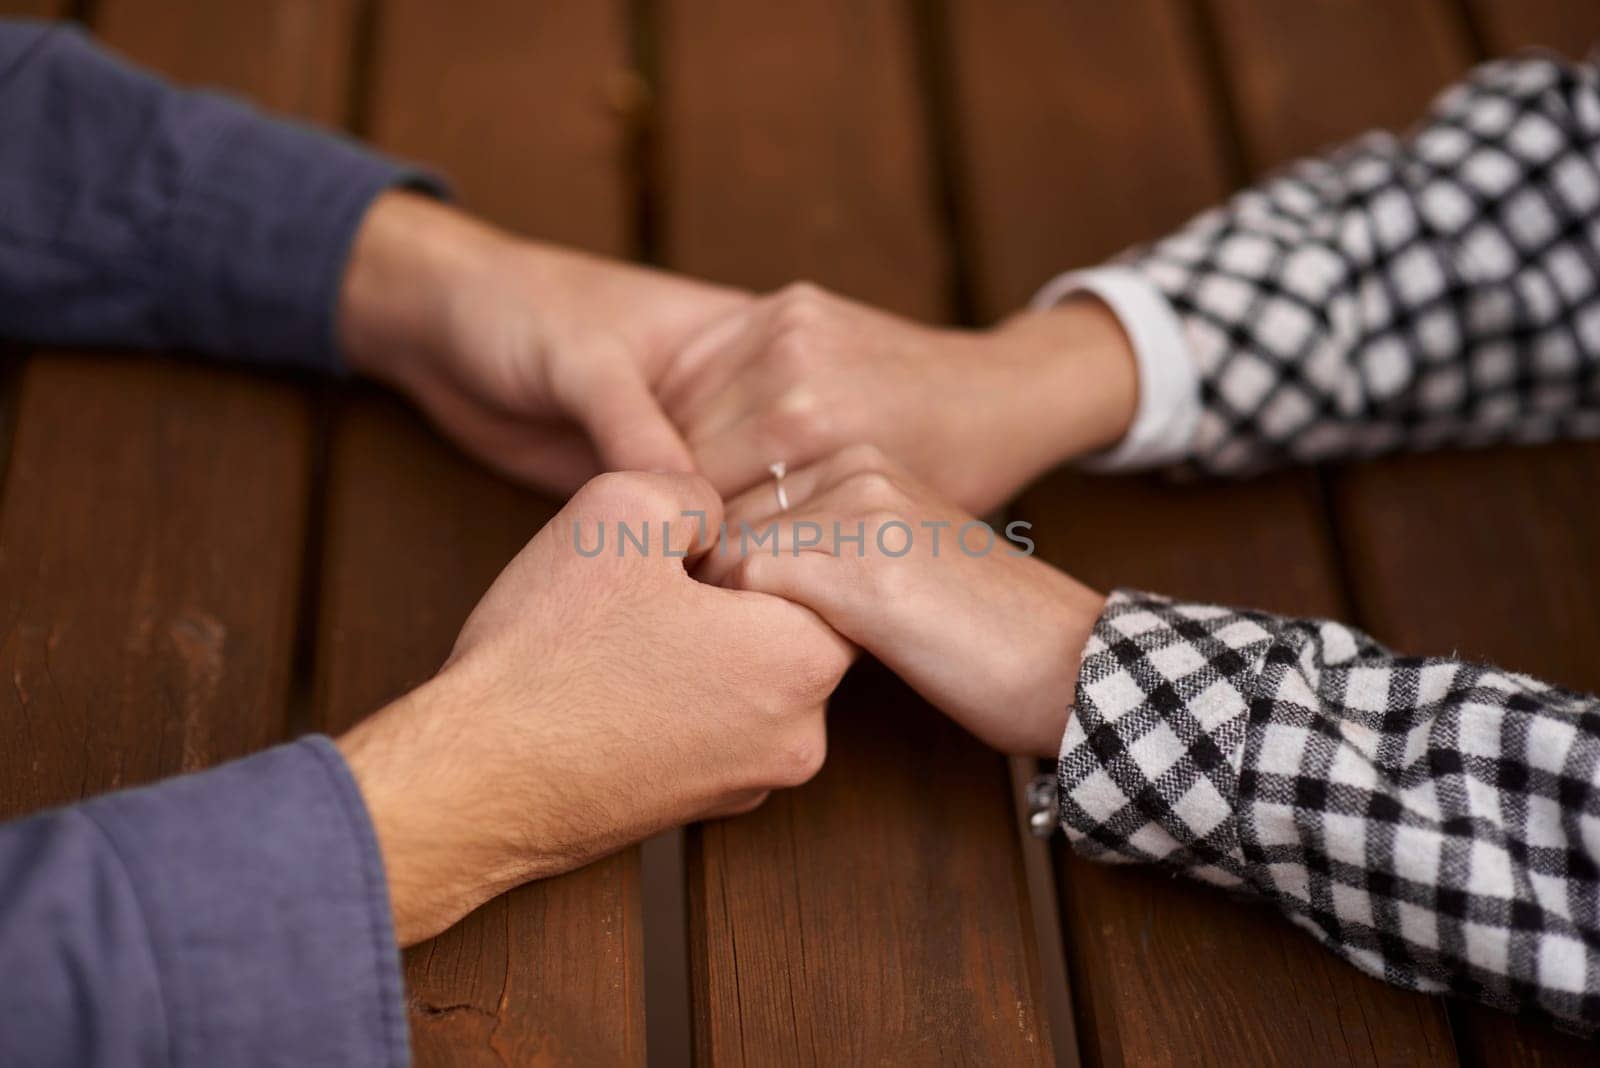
(876, 491)
(859, 457)
(792, 359)
(801, 294)
(798, 426)
(748, 802)
(747, 573)
(795, 352)
(878, 518)
(792, 346)
(625, 493)
(816, 674)
(801, 756)
(608, 492)
(798, 309)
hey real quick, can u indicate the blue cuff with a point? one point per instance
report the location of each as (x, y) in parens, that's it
(252, 253)
(263, 892)
(137, 214)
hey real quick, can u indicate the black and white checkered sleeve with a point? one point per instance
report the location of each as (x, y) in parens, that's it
(1443, 288)
(1435, 822)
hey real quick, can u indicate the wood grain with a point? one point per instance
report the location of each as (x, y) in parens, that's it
(875, 915)
(511, 101)
(1416, 526)
(793, 146)
(149, 554)
(152, 528)
(1163, 972)
(528, 107)
(1061, 168)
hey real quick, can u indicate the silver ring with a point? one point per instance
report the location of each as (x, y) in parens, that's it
(778, 470)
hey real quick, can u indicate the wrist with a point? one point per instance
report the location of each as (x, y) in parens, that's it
(1082, 379)
(1074, 611)
(411, 261)
(443, 852)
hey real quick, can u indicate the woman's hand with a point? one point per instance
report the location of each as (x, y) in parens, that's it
(591, 700)
(540, 361)
(984, 631)
(975, 414)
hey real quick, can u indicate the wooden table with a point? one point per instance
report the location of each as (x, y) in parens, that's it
(198, 562)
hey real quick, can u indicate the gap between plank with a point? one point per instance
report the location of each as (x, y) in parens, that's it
(930, 25)
(662, 876)
(327, 401)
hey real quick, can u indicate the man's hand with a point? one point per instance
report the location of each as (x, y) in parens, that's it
(540, 361)
(989, 635)
(975, 414)
(590, 702)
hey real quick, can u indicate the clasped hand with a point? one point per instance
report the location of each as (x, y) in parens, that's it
(591, 700)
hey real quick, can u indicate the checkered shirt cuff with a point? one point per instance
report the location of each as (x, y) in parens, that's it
(1435, 822)
(1150, 761)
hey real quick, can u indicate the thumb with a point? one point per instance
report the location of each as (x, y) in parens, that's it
(630, 430)
(683, 511)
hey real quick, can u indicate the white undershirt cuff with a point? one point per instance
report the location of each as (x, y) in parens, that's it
(1169, 387)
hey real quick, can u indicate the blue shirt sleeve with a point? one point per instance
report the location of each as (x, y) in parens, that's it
(238, 916)
(137, 214)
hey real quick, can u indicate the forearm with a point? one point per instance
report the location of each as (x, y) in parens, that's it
(136, 214)
(186, 922)
(1422, 817)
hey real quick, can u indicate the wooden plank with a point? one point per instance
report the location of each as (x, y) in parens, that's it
(1307, 76)
(1064, 168)
(553, 971)
(876, 915)
(1413, 525)
(1437, 572)
(23, 795)
(290, 55)
(149, 554)
(150, 545)
(39, 9)
(1571, 27)
(527, 105)
(793, 148)
(1162, 971)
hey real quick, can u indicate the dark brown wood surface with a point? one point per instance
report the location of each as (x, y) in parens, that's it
(1161, 971)
(1571, 27)
(150, 539)
(34, 8)
(876, 915)
(196, 562)
(1308, 76)
(514, 101)
(149, 560)
(292, 56)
